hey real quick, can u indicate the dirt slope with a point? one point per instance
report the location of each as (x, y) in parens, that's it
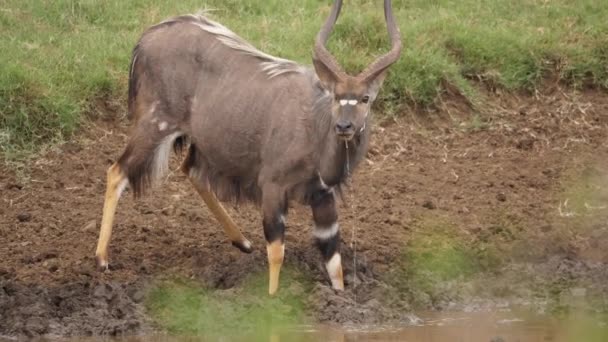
(515, 162)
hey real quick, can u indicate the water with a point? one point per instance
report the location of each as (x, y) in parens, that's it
(496, 326)
(504, 326)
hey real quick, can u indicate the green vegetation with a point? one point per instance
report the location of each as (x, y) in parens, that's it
(60, 57)
(184, 307)
(435, 258)
(585, 195)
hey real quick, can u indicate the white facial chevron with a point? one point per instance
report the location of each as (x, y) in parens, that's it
(345, 102)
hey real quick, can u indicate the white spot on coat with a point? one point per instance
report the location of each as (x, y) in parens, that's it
(162, 126)
(152, 110)
(121, 187)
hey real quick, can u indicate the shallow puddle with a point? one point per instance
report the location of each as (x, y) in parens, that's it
(497, 326)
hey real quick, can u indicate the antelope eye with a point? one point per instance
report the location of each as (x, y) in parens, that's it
(365, 99)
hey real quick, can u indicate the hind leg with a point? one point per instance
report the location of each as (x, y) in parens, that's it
(145, 159)
(230, 228)
(116, 183)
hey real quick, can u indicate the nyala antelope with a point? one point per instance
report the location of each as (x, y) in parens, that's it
(257, 128)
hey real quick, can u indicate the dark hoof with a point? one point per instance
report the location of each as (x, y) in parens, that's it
(244, 246)
(102, 265)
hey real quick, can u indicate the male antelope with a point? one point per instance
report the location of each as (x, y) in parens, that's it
(260, 128)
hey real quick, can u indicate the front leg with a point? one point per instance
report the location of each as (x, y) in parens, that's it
(274, 208)
(327, 234)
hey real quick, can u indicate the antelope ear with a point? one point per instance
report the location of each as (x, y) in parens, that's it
(327, 77)
(375, 80)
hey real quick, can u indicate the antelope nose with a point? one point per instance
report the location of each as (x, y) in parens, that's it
(344, 126)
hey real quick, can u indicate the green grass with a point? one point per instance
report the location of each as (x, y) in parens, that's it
(585, 194)
(186, 308)
(434, 259)
(58, 57)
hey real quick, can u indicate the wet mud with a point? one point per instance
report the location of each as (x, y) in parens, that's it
(515, 163)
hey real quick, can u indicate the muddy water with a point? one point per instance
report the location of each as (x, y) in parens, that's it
(498, 326)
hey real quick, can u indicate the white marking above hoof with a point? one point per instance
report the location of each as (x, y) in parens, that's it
(334, 269)
(247, 244)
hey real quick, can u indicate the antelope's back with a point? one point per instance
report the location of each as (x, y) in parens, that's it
(238, 105)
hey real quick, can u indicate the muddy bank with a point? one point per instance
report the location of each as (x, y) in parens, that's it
(513, 199)
(79, 308)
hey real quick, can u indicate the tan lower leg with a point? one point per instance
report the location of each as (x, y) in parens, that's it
(231, 229)
(116, 182)
(276, 251)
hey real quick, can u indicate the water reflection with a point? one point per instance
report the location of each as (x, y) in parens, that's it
(502, 326)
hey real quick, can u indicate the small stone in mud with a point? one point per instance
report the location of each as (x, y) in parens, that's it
(546, 228)
(137, 295)
(296, 289)
(103, 291)
(14, 186)
(85, 270)
(4, 273)
(28, 259)
(352, 280)
(35, 326)
(116, 266)
(24, 217)
(578, 292)
(525, 144)
(168, 211)
(90, 226)
(429, 205)
(47, 255)
(501, 197)
(393, 220)
(53, 268)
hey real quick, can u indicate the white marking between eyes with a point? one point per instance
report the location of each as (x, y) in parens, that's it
(162, 126)
(345, 102)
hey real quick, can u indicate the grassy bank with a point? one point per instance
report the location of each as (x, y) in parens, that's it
(244, 312)
(60, 56)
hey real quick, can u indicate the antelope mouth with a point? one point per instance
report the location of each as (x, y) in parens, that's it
(346, 136)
